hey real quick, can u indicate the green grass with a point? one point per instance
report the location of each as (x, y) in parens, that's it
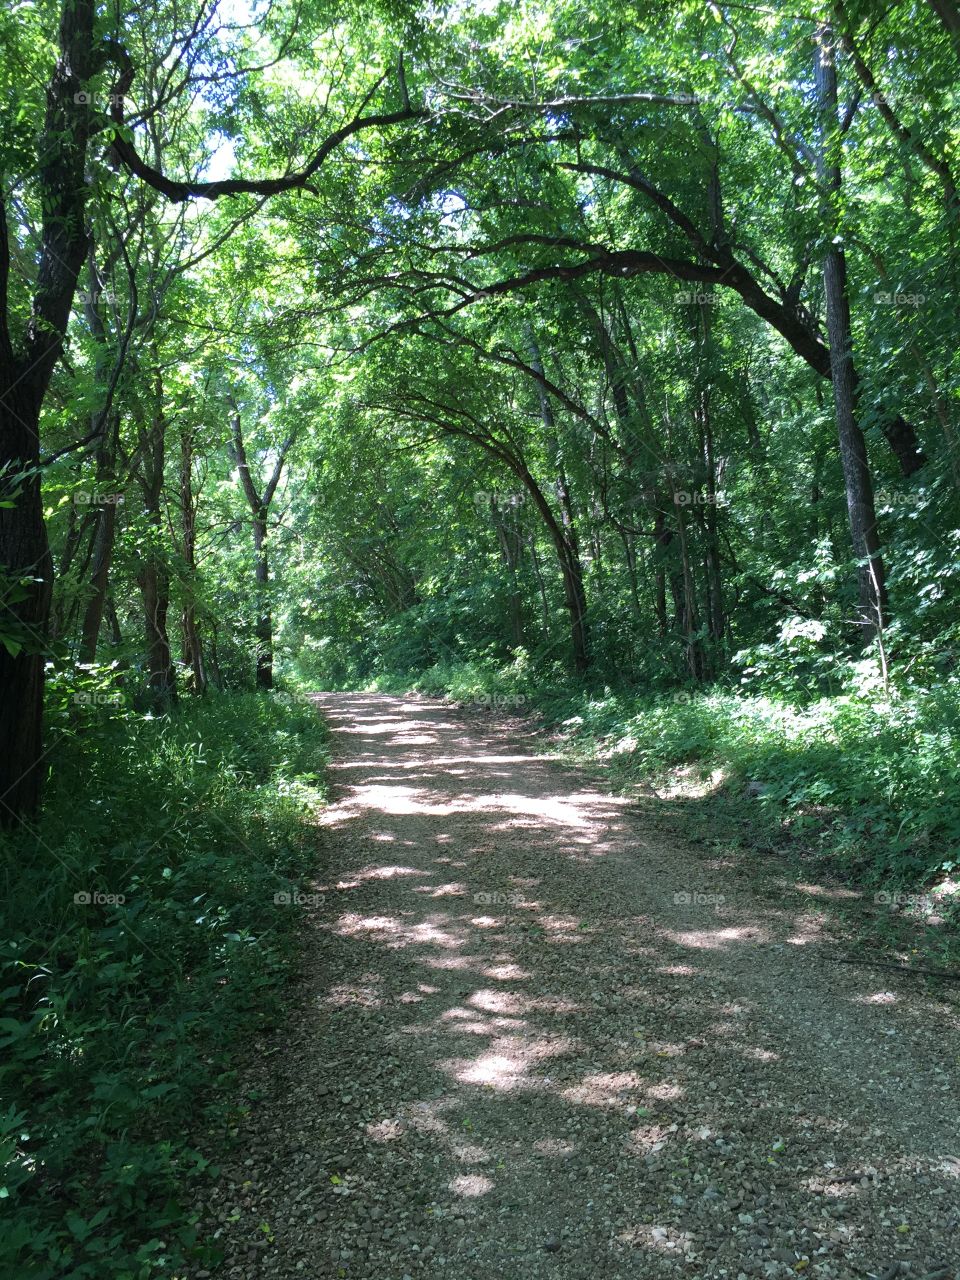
(121, 1015)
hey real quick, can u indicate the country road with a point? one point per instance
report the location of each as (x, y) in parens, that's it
(533, 1038)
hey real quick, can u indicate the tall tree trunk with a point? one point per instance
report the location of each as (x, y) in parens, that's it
(853, 449)
(104, 537)
(510, 542)
(263, 627)
(99, 580)
(25, 371)
(541, 586)
(25, 588)
(259, 504)
(567, 544)
(713, 568)
(155, 589)
(153, 578)
(661, 543)
(192, 644)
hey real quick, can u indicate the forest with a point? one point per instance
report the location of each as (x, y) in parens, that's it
(590, 369)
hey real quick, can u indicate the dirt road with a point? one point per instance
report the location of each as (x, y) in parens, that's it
(534, 1039)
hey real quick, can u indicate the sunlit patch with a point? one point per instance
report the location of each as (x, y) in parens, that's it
(761, 1055)
(678, 970)
(717, 939)
(507, 973)
(495, 1069)
(669, 1240)
(554, 1004)
(647, 1140)
(385, 1130)
(388, 873)
(452, 890)
(558, 1147)
(382, 835)
(663, 1092)
(498, 1002)
(821, 891)
(486, 922)
(470, 1153)
(878, 997)
(470, 1185)
(449, 962)
(476, 1027)
(688, 782)
(592, 1095)
(423, 1117)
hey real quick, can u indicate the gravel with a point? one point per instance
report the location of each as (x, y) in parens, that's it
(535, 1037)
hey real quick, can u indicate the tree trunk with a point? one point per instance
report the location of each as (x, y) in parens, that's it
(25, 563)
(192, 644)
(161, 677)
(263, 628)
(153, 578)
(259, 504)
(853, 448)
(25, 581)
(510, 541)
(661, 543)
(565, 536)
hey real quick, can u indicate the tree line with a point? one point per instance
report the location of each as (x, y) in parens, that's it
(608, 342)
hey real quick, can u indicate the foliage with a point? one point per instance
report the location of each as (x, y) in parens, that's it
(142, 944)
(493, 362)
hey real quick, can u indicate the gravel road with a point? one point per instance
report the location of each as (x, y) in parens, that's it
(534, 1037)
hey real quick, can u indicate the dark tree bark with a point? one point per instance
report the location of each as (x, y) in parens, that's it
(510, 542)
(568, 548)
(903, 441)
(24, 378)
(154, 577)
(259, 504)
(853, 448)
(192, 644)
(99, 579)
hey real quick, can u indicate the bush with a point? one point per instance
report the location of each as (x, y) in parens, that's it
(143, 940)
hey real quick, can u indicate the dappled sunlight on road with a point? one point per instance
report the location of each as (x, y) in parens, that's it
(576, 1012)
